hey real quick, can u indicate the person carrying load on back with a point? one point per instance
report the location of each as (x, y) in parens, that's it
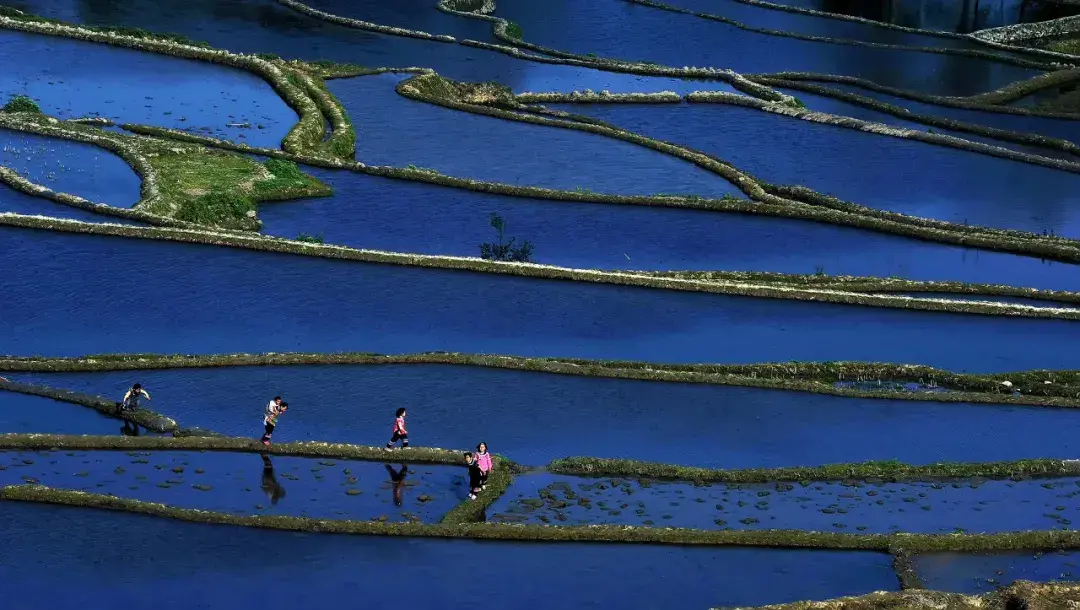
(270, 416)
(131, 399)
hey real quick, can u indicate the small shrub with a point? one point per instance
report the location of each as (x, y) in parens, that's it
(513, 30)
(21, 103)
(505, 250)
(311, 239)
(283, 169)
(267, 56)
(220, 209)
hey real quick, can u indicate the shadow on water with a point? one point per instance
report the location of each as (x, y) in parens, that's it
(982, 573)
(71, 79)
(333, 305)
(394, 130)
(613, 28)
(940, 507)
(68, 167)
(873, 170)
(179, 565)
(960, 16)
(229, 482)
(23, 413)
(379, 213)
(534, 417)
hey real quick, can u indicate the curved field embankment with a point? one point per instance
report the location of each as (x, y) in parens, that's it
(801, 112)
(464, 521)
(286, 246)
(1017, 61)
(1034, 388)
(183, 185)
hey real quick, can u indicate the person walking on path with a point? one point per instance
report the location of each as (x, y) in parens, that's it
(400, 433)
(475, 475)
(483, 461)
(131, 399)
(273, 410)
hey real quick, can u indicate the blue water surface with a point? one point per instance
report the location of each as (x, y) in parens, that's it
(70, 167)
(412, 14)
(942, 15)
(18, 202)
(939, 507)
(873, 170)
(985, 572)
(814, 25)
(71, 78)
(265, 26)
(613, 28)
(244, 484)
(381, 213)
(533, 418)
(23, 413)
(395, 130)
(174, 565)
(209, 299)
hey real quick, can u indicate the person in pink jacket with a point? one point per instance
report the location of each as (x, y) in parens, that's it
(483, 460)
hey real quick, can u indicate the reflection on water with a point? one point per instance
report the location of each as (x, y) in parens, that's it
(270, 486)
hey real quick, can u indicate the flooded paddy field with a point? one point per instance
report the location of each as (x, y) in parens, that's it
(264, 26)
(1067, 129)
(23, 413)
(979, 573)
(825, 159)
(818, 25)
(65, 166)
(98, 295)
(831, 105)
(613, 28)
(74, 79)
(536, 417)
(276, 302)
(166, 563)
(945, 506)
(385, 214)
(247, 484)
(18, 202)
(398, 131)
(942, 15)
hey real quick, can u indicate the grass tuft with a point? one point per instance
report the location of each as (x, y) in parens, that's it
(21, 103)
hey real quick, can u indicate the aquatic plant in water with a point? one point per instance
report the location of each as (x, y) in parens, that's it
(505, 250)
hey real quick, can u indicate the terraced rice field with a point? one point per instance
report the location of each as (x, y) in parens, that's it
(752, 302)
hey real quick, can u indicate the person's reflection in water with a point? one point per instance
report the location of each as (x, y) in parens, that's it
(130, 428)
(397, 477)
(270, 485)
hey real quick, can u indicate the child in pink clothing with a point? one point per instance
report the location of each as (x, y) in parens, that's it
(399, 433)
(483, 460)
